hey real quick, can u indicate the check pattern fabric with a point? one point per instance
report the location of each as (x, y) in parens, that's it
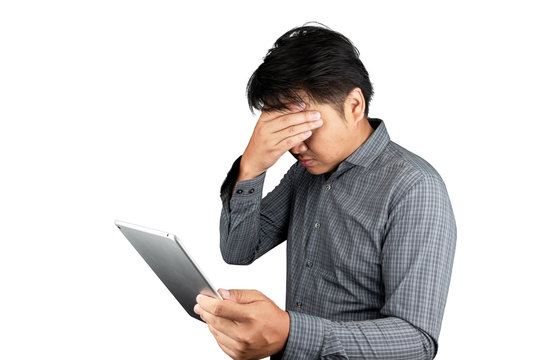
(370, 250)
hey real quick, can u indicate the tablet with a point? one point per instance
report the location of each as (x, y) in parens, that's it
(164, 253)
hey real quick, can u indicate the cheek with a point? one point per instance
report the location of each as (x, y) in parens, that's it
(318, 145)
(313, 141)
(320, 139)
(326, 145)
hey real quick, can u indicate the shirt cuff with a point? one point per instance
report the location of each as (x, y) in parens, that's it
(306, 336)
(230, 179)
(243, 190)
(248, 189)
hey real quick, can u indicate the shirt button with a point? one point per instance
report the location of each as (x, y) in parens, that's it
(317, 225)
(239, 191)
(309, 263)
(328, 187)
(251, 191)
(298, 304)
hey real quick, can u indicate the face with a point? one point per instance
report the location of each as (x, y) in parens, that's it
(329, 144)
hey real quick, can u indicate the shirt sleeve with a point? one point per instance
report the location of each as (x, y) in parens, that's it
(251, 225)
(416, 260)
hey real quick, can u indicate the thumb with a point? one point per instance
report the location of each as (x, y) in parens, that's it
(242, 296)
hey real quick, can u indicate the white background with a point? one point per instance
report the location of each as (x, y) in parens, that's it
(135, 110)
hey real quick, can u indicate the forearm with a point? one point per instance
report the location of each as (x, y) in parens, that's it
(250, 225)
(240, 222)
(312, 337)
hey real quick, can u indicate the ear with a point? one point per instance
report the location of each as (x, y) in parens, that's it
(355, 105)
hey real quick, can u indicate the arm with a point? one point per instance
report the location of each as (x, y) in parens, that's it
(417, 257)
(251, 226)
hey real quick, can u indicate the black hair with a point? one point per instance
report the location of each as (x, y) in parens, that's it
(316, 60)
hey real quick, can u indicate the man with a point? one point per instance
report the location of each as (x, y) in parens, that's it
(369, 226)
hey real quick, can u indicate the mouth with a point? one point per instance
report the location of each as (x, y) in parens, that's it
(306, 162)
(303, 160)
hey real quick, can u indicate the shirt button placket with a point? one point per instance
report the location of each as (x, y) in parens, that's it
(309, 263)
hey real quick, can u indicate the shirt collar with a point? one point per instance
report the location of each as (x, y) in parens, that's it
(372, 147)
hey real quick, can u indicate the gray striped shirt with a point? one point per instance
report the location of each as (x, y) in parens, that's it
(369, 250)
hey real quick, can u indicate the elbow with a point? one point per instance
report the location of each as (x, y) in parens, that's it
(429, 346)
(236, 261)
(232, 258)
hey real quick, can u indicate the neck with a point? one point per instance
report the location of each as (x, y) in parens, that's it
(365, 131)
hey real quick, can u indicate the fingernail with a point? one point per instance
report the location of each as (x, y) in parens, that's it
(318, 122)
(225, 293)
(315, 115)
(198, 298)
(196, 308)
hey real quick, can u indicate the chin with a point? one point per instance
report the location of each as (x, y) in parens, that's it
(315, 170)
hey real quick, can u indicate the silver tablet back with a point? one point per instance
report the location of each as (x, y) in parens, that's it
(165, 255)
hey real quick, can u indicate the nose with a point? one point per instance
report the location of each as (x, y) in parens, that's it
(299, 148)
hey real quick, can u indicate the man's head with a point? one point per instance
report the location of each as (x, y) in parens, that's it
(314, 60)
(320, 68)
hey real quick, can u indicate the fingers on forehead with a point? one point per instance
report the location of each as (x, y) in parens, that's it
(295, 118)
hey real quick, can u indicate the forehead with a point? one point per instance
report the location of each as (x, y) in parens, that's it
(296, 96)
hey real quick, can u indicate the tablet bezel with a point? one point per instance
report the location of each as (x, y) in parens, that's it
(187, 294)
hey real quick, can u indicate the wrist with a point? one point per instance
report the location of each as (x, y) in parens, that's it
(247, 176)
(286, 325)
(246, 172)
